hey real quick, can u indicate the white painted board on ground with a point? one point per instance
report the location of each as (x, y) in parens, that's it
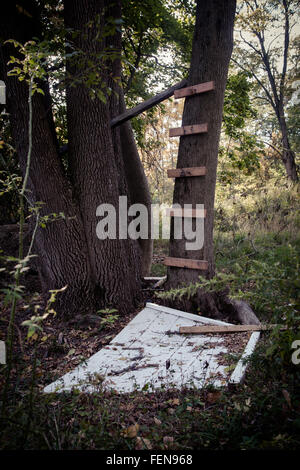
(149, 353)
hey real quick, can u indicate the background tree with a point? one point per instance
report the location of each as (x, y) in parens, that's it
(212, 48)
(265, 39)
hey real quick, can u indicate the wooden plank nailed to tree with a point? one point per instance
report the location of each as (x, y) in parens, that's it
(188, 130)
(225, 329)
(194, 90)
(183, 172)
(177, 212)
(186, 263)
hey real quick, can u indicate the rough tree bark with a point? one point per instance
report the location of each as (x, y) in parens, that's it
(99, 273)
(60, 246)
(139, 193)
(287, 154)
(95, 154)
(212, 48)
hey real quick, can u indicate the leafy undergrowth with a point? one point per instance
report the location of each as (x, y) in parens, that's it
(161, 250)
(263, 413)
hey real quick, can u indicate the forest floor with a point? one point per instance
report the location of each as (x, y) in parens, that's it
(262, 413)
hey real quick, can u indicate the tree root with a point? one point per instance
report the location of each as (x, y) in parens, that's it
(216, 305)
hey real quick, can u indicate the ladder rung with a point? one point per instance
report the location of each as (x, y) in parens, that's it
(188, 130)
(227, 329)
(186, 263)
(182, 172)
(177, 212)
(194, 89)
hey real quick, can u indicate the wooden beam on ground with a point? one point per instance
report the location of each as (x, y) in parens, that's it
(194, 90)
(183, 172)
(188, 130)
(226, 329)
(177, 212)
(186, 263)
(140, 108)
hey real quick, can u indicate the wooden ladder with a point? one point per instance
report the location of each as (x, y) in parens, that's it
(188, 172)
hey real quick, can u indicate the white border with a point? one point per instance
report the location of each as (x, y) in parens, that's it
(190, 316)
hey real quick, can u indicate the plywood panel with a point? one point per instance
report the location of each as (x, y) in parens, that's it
(136, 358)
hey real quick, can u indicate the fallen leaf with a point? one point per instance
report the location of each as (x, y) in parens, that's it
(131, 431)
(175, 402)
(143, 443)
(229, 368)
(157, 421)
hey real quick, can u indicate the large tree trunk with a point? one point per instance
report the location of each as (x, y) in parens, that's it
(61, 248)
(212, 48)
(98, 273)
(96, 163)
(139, 193)
(288, 156)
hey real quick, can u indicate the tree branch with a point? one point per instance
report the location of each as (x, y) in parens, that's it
(286, 48)
(140, 108)
(268, 94)
(138, 53)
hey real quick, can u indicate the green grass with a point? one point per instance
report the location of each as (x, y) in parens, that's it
(263, 413)
(254, 416)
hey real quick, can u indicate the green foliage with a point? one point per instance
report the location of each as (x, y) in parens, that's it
(10, 180)
(293, 122)
(151, 28)
(107, 317)
(237, 104)
(243, 150)
(34, 324)
(30, 64)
